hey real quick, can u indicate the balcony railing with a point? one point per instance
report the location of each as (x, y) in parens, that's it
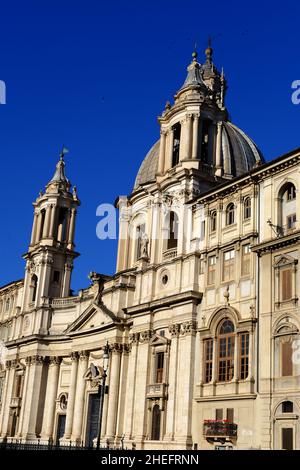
(219, 428)
(156, 390)
(169, 254)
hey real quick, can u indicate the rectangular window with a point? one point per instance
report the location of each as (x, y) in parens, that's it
(246, 253)
(244, 355)
(208, 356)
(219, 414)
(286, 359)
(286, 284)
(212, 260)
(56, 276)
(291, 221)
(230, 414)
(287, 438)
(228, 265)
(159, 367)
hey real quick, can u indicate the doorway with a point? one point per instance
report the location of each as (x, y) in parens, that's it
(61, 424)
(92, 419)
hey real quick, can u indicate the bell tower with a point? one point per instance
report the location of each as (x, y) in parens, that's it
(49, 260)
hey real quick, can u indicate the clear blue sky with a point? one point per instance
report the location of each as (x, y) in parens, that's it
(95, 75)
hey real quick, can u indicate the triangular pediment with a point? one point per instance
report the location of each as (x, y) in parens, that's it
(157, 340)
(285, 260)
(95, 316)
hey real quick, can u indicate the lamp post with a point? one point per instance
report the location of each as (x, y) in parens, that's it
(102, 390)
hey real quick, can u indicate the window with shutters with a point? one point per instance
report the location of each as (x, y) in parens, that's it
(286, 359)
(219, 414)
(230, 415)
(228, 265)
(286, 284)
(244, 355)
(246, 253)
(159, 367)
(208, 360)
(212, 260)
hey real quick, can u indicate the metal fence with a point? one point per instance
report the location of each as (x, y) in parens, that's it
(19, 445)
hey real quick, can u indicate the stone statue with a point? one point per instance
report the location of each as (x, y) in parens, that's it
(144, 246)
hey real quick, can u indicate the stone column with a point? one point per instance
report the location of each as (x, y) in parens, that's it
(24, 398)
(7, 395)
(140, 406)
(67, 279)
(162, 152)
(47, 222)
(50, 400)
(71, 229)
(219, 149)
(173, 366)
(188, 137)
(33, 233)
(169, 159)
(131, 385)
(52, 221)
(195, 136)
(38, 228)
(185, 386)
(182, 145)
(114, 381)
(79, 398)
(32, 397)
(71, 396)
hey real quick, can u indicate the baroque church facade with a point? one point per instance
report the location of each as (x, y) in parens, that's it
(201, 317)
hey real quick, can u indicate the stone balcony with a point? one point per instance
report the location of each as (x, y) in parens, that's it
(157, 390)
(169, 254)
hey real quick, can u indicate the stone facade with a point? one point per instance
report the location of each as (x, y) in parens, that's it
(201, 317)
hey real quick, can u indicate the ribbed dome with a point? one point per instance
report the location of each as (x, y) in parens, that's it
(148, 168)
(239, 155)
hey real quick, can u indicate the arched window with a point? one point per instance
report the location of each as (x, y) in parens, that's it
(62, 224)
(34, 282)
(173, 231)
(176, 144)
(7, 304)
(213, 221)
(230, 214)
(287, 407)
(226, 339)
(204, 140)
(156, 418)
(247, 208)
(42, 215)
(287, 208)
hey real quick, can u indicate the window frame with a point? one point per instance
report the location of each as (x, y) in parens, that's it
(230, 214)
(228, 339)
(228, 264)
(247, 206)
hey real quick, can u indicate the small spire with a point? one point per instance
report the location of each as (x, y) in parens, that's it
(59, 175)
(195, 53)
(209, 51)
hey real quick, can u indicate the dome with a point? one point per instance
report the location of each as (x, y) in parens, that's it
(148, 168)
(239, 155)
(239, 150)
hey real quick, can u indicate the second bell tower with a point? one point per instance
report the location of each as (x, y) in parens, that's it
(51, 251)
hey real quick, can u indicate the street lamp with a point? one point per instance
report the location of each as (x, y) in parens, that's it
(101, 390)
